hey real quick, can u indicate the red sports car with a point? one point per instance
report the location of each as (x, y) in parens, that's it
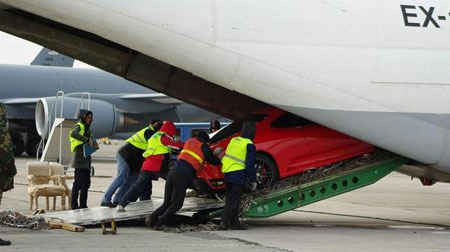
(286, 145)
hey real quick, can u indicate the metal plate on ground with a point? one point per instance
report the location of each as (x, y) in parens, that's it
(135, 210)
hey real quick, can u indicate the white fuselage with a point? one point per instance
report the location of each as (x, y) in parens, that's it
(376, 70)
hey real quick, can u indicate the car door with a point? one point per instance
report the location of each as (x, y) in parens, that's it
(330, 146)
(284, 139)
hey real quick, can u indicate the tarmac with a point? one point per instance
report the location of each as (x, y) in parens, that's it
(395, 214)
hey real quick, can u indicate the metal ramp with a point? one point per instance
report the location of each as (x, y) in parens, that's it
(260, 206)
(135, 210)
(294, 197)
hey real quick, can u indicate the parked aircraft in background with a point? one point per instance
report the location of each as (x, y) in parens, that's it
(47, 57)
(119, 106)
(338, 63)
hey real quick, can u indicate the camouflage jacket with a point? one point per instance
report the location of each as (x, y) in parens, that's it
(7, 166)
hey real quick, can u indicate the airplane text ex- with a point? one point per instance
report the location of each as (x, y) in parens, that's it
(413, 17)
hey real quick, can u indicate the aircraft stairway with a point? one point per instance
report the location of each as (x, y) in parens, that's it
(55, 140)
(57, 147)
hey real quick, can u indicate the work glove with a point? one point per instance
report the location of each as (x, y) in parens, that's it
(218, 152)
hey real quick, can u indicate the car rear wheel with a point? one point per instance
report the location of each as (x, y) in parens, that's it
(266, 171)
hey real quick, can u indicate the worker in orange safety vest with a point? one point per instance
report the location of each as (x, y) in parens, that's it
(191, 159)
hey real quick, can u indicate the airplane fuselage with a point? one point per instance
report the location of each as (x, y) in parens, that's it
(43, 81)
(376, 70)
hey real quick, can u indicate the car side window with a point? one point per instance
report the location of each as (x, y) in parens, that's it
(236, 127)
(289, 120)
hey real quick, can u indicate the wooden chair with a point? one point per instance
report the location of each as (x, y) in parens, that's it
(42, 183)
(58, 169)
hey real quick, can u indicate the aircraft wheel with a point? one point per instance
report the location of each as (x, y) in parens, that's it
(18, 145)
(32, 147)
(266, 171)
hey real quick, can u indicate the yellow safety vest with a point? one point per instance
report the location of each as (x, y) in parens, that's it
(155, 147)
(138, 138)
(75, 142)
(235, 154)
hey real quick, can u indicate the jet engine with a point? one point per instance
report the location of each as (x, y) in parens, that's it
(106, 118)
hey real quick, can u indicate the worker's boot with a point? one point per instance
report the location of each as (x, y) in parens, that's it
(149, 222)
(224, 225)
(120, 209)
(159, 225)
(239, 226)
(4, 243)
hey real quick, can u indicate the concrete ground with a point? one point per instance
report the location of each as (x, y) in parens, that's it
(395, 214)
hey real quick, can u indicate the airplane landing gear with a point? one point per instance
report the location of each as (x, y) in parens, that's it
(19, 145)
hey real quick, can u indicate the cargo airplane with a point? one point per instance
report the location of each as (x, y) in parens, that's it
(375, 70)
(120, 106)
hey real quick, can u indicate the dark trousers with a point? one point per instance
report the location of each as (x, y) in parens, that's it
(230, 214)
(174, 193)
(136, 190)
(81, 184)
(147, 191)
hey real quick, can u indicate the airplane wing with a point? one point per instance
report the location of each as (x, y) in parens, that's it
(20, 101)
(20, 108)
(156, 97)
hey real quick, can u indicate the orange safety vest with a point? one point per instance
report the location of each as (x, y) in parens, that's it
(192, 153)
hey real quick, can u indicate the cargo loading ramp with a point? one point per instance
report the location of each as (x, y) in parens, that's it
(255, 206)
(320, 188)
(134, 211)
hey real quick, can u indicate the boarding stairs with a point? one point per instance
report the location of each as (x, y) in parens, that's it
(55, 140)
(57, 146)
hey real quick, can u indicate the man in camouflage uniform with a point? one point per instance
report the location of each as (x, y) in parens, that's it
(7, 166)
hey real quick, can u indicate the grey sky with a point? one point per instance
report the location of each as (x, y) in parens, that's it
(14, 50)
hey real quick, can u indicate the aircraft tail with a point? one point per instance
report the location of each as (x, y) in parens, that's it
(47, 57)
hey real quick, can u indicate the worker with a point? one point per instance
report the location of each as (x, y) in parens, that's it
(214, 126)
(7, 163)
(157, 158)
(129, 161)
(182, 172)
(79, 136)
(238, 165)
